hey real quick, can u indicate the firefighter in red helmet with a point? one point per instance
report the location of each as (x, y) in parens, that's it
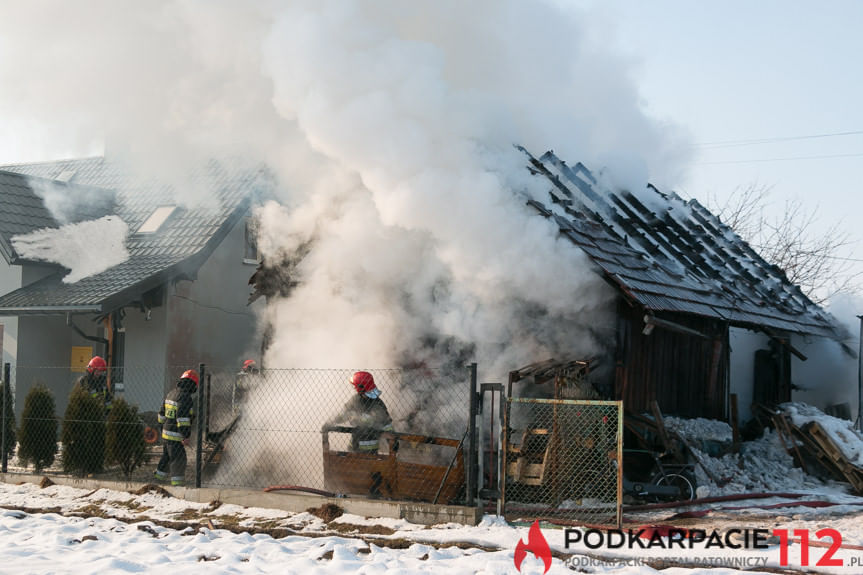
(249, 366)
(176, 416)
(246, 377)
(366, 413)
(95, 381)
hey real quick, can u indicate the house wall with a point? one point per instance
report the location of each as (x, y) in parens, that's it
(209, 319)
(44, 354)
(687, 375)
(145, 354)
(10, 279)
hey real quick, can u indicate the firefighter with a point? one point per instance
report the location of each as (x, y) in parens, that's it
(95, 381)
(366, 413)
(242, 383)
(176, 416)
(249, 367)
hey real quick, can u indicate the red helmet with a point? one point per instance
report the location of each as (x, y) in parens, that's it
(98, 365)
(249, 364)
(363, 381)
(190, 374)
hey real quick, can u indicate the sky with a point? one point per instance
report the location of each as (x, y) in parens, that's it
(781, 73)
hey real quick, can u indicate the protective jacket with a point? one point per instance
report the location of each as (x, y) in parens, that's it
(176, 414)
(369, 418)
(97, 386)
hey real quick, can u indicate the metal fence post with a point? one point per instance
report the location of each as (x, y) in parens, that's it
(207, 413)
(200, 421)
(472, 447)
(7, 368)
(501, 477)
(859, 422)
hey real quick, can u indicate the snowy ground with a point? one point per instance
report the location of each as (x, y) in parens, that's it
(58, 529)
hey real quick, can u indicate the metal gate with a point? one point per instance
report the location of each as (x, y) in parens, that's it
(562, 461)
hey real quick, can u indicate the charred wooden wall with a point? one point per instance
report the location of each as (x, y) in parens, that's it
(686, 374)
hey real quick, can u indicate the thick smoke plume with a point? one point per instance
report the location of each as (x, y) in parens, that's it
(401, 225)
(390, 126)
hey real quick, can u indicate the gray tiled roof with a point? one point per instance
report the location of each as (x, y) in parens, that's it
(180, 245)
(672, 255)
(23, 210)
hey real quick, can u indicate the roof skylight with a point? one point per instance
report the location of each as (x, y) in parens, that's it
(156, 219)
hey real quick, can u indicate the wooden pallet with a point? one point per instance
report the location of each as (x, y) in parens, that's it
(851, 472)
(798, 443)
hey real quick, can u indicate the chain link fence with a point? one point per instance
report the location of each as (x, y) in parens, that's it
(562, 460)
(275, 428)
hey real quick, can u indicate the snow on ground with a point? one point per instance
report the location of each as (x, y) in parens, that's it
(61, 529)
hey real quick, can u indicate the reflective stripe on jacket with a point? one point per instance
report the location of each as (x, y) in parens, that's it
(176, 415)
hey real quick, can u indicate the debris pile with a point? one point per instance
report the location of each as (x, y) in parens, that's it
(760, 466)
(819, 443)
(801, 447)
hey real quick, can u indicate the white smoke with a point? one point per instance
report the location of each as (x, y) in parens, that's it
(391, 126)
(85, 248)
(431, 238)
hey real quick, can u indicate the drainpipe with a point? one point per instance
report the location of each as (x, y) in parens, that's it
(77, 329)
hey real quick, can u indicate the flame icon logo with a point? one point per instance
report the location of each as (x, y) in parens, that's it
(536, 544)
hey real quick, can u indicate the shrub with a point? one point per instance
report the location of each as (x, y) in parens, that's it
(124, 444)
(83, 434)
(38, 434)
(10, 421)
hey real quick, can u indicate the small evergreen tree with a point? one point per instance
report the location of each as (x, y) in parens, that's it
(125, 443)
(10, 421)
(83, 434)
(38, 434)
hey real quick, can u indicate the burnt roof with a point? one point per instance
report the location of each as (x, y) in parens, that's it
(667, 254)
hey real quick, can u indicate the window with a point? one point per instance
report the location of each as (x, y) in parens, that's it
(250, 248)
(156, 219)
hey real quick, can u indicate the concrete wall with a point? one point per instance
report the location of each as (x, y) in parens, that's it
(44, 353)
(210, 321)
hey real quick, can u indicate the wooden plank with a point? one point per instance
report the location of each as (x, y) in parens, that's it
(848, 470)
(660, 426)
(663, 433)
(781, 424)
(824, 440)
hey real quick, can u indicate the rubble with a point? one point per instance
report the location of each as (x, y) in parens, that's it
(801, 447)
